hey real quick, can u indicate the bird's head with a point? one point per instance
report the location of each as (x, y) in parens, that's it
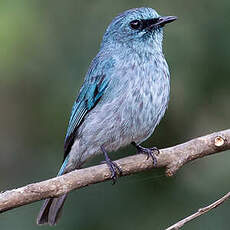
(136, 27)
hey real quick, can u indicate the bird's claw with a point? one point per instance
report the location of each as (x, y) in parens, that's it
(113, 167)
(150, 152)
(115, 171)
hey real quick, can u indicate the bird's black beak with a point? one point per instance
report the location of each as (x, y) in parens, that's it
(162, 21)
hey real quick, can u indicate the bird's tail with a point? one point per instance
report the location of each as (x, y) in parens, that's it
(50, 211)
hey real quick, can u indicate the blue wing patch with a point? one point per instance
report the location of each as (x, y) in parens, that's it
(90, 93)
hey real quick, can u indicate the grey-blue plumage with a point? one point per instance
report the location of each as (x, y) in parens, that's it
(124, 95)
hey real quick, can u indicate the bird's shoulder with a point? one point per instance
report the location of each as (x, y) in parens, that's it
(93, 88)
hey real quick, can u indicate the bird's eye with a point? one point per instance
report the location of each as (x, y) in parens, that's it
(136, 24)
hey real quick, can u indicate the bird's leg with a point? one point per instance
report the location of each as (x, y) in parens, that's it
(113, 167)
(150, 152)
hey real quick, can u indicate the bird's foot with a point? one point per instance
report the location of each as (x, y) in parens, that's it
(150, 152)
(113, 167)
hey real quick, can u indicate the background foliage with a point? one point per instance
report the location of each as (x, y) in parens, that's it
(46, 48)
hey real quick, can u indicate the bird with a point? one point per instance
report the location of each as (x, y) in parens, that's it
(124, 96)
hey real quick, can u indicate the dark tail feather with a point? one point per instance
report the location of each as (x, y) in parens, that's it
(51, 210)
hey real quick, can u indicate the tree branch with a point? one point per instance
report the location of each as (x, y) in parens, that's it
(200, 212)
(172, 158)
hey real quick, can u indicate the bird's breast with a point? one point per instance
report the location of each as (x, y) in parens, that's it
(147, 95)
(131, 107)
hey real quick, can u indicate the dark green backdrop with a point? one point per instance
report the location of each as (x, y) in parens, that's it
(46, 48)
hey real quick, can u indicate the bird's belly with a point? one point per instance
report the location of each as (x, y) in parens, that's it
(144, 115)
(130, 117)
(146, 105)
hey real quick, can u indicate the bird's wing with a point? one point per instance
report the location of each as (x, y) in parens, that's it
(90, 93)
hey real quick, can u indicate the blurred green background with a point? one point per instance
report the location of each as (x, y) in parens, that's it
(46, 48)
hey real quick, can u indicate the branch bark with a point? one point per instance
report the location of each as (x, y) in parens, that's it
(200, 212)
(171, 158)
